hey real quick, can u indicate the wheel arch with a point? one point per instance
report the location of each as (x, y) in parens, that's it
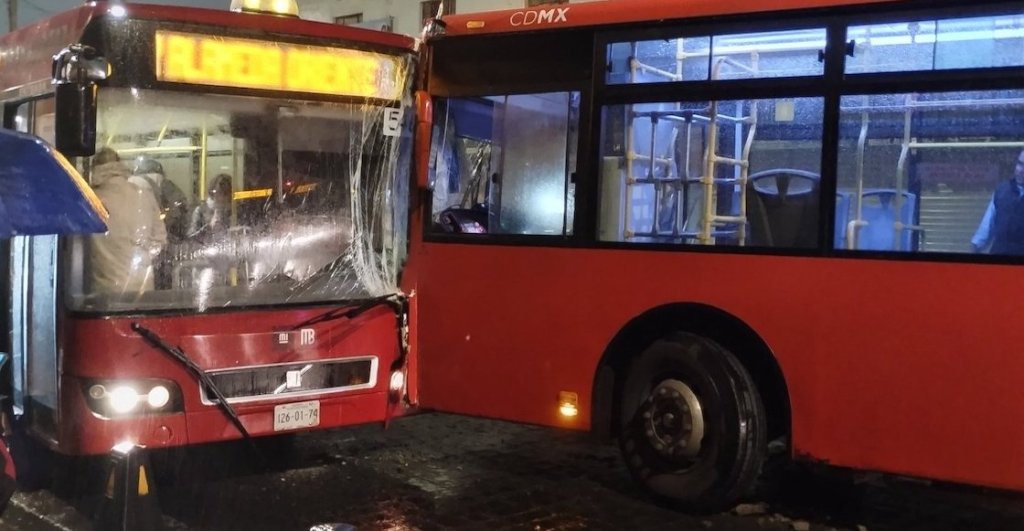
(700, 319)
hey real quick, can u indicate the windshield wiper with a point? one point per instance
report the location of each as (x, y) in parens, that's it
(154, 339)
(394, 300)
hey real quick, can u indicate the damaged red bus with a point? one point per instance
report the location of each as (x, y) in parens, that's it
(705, 226)
(257, 172)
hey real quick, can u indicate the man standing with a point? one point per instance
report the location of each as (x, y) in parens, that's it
(121, 261)
(1002, 228)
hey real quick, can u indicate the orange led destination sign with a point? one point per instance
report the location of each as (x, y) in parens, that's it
(247, 63)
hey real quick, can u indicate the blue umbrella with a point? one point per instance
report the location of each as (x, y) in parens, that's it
(42, 193)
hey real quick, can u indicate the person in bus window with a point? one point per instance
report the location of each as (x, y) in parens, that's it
(1002, 228)
(213, 217)
(148, 174)
(121, 260)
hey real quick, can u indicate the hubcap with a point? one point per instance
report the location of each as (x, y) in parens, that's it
(673, 420)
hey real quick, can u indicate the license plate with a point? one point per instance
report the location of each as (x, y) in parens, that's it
(297, 415)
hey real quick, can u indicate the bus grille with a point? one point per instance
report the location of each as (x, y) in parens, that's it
(283, 380)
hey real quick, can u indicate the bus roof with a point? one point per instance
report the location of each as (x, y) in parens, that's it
(25, 54)
(608, 12)
(75, 20)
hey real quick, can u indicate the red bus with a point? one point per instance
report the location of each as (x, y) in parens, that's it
(705, 226)
(256, 169)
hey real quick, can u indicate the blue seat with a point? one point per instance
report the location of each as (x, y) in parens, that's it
(879, 211)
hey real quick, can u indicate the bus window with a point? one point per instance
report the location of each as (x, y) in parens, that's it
(740, 56)
(918, 171)
(740, 173)
(977, 42)
(504, 163)
(43, 119)
(22, 117)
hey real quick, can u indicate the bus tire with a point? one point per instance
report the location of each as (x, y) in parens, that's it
(694, 432)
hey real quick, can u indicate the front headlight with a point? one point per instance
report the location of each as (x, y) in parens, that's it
(124, 398)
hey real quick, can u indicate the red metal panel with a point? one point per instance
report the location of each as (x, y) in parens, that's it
(107, 348)
(83, 433)
(894, 366)
(26, 55)
(619, 11)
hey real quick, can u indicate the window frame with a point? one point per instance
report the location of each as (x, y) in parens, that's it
(349, 19)
(428, 8)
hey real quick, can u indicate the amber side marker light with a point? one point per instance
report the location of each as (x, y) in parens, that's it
(568, 404)
(475, 24)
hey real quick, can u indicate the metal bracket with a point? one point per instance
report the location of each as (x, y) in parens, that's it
(79, 63)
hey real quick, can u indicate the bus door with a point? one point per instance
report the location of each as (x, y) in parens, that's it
(34, 328)
(33, 303)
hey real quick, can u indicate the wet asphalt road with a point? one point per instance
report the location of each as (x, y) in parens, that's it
(447, 472)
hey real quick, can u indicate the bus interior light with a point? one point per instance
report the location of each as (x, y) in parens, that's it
(568, 404)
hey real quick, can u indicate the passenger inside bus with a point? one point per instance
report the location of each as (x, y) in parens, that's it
(122, 259)
(148, 174)
(1001, 230)
(211, 218)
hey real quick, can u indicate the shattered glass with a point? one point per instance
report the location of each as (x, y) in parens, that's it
(232, 201)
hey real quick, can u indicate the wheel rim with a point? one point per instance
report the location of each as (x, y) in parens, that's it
(673, 420)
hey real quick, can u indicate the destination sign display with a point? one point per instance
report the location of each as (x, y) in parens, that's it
(249, 63)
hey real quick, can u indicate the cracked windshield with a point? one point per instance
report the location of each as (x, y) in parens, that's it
(221, 201)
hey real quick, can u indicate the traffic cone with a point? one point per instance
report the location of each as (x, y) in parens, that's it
(129, 499)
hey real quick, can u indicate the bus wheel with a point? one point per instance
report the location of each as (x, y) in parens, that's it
(695, 432)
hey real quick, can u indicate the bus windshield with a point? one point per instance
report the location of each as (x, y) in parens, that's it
(227, 201)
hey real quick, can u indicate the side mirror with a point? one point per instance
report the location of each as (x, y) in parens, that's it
(76, 69)
(424, 132)
(76, 119)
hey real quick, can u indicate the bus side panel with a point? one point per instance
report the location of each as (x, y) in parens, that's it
(902, 367)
